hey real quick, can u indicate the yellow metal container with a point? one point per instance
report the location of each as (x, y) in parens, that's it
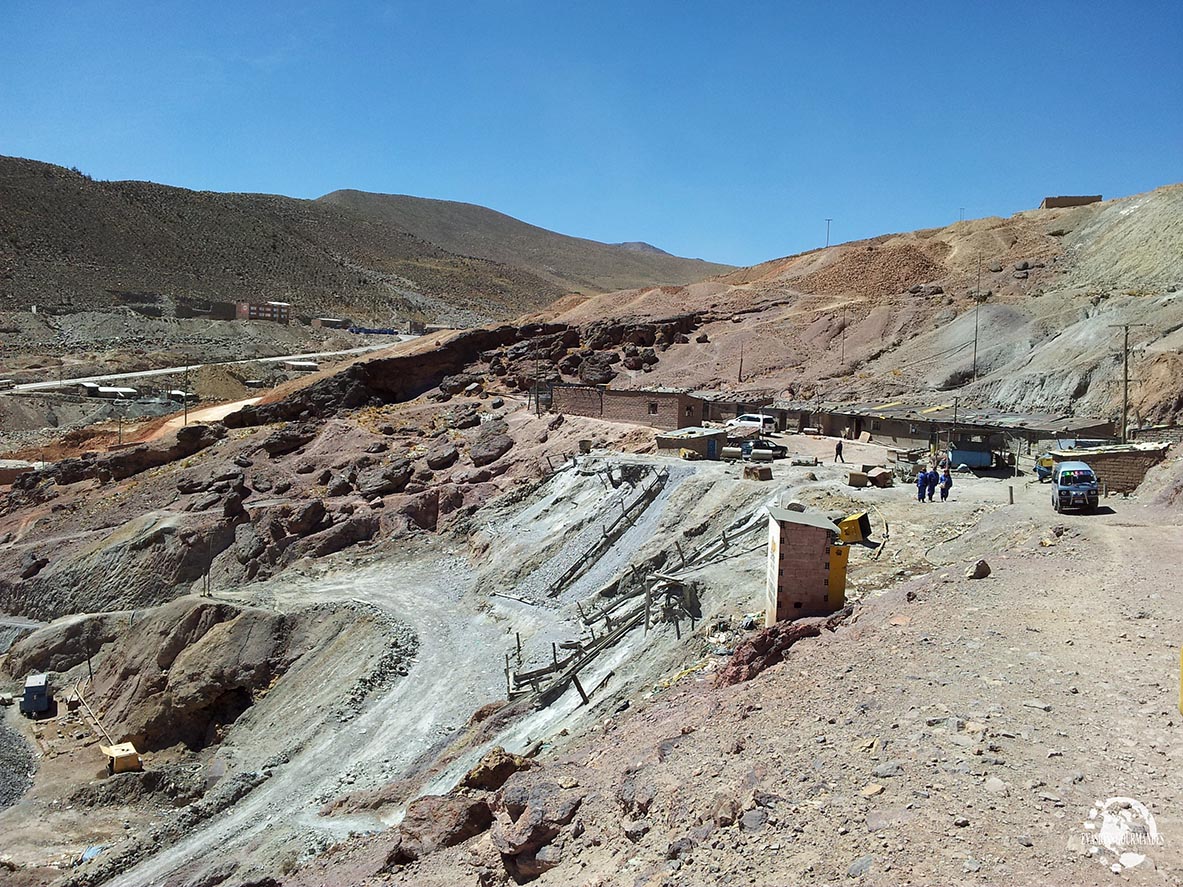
(122, 758)
(836, 588)
(855, 528)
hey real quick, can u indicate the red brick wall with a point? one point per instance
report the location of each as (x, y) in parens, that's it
(803, 572)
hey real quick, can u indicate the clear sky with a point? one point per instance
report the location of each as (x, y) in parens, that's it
(728, 131)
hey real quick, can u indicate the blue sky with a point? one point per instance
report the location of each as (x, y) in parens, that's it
(723, 130)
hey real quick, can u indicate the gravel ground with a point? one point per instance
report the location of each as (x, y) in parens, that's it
(16, 766)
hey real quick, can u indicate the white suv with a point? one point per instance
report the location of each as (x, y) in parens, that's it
(766, 424)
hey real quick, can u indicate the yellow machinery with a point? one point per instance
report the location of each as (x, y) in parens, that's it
(122, 758)
(836, 588)
(855, 528)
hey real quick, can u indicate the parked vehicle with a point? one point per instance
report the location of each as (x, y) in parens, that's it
(747, 447)
(766, 424)
(1074, 485)
(1044, 464)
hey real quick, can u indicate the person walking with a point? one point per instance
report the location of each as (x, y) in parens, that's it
(946, 484)
(921, 485)
(933, 480)
(838, 452)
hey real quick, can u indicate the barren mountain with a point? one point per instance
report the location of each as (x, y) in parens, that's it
(572, 263)
(68, 243)
(895, 316)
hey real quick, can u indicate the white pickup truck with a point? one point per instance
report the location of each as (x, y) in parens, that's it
(766, 424)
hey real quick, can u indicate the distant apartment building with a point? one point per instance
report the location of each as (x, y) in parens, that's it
(277, 312)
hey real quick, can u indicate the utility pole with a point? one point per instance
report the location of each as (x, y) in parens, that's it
(739, 375)
(961, 217)
(844, 335)
(1125, 377)
(977, 305)
(185, 392)
(828, 231)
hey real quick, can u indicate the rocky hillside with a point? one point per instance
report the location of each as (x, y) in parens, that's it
(571, 263)
(893, 317)
(69, 243)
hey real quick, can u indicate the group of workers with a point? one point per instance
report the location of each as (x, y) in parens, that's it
(928, 481)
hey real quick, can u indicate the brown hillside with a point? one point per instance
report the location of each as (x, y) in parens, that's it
(571, 263)
(70, 243)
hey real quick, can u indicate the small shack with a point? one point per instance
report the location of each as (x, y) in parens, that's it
(37, 698)
(114, 392)
(301, 366)
(708, 443)
(11, 469)
(122, 758)
(806, 566)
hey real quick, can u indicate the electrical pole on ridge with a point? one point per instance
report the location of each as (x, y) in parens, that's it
(1125, 377)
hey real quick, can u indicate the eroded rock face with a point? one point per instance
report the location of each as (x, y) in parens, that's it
(531, 815)
(187, 670)
(767, 647)
(433, 822)
(492, 771)
(125, 463)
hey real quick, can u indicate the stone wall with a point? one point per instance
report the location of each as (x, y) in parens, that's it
(578, 400)
(1118, 470)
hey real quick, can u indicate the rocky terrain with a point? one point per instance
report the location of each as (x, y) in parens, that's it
(393, 622)
(894, 317)
(69, 244)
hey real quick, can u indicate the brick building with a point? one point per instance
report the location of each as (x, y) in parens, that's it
(1069, 200)
(1119, 469)
(719, 406)
(806, 566)
(278, 312)
(706, 442)
(668, 409)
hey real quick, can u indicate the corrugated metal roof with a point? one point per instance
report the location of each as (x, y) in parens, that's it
(808, 518)
(692, 432)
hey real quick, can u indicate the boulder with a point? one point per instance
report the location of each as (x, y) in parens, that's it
(457, 383)
(491, 771)
(32, 564)
(355, 529)
(442, 456)
(531, 816)
(597, 369)
(382, 480)
(436, 821)
(306, 519)
(339, 485)
(287, 439)
(980, 570)
(489, 448)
